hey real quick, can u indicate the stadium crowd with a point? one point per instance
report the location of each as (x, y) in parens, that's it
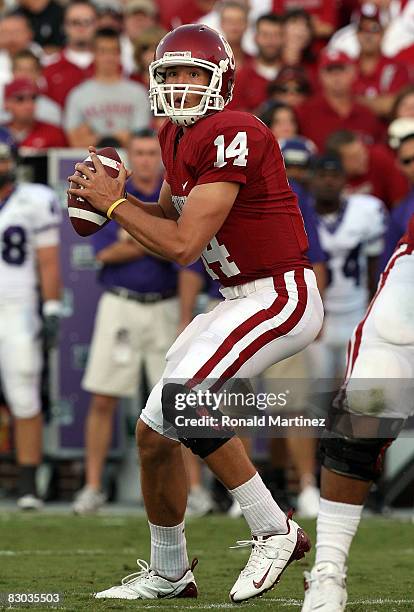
(333, 80)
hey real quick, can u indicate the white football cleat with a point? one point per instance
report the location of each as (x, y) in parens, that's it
(308, 502)
(325, 589)
(146, 584)
(268, 560)
(29, 502)
(88, 501)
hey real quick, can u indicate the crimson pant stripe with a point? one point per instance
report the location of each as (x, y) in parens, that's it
(277, 332)
(359, 330)
(239, 332)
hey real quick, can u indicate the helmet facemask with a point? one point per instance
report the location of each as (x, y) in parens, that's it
(163, 95)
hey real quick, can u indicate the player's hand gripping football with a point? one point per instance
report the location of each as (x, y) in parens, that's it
(96, 186)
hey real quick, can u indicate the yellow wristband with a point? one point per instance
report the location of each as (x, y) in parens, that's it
(113, 206)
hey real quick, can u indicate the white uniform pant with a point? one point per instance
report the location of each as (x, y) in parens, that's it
(20, 357)
(257, 325)
(380, 369)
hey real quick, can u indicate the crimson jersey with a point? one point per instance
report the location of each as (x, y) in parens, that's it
(263, 235)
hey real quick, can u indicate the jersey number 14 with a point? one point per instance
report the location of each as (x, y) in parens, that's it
(237, 150)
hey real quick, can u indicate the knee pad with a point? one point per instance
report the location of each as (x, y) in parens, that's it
(345, 447)
(177, 410)
(360, 458)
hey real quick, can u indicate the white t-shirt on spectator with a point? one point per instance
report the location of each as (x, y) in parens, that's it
(108, 107)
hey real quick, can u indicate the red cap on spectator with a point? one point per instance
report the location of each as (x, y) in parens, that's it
(331, 57)
(19, 87)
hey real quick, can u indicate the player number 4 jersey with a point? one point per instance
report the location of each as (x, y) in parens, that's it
(29, 220)
(263, 235)
(348, 239)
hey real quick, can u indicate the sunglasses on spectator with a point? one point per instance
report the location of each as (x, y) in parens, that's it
(407, 160)
(25, 97)
(294, 89)
(80, 22)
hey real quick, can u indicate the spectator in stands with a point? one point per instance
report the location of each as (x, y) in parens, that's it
(110, 15)
(298, 38)
(26, 65)
(323, 13)
(298, 153)
(291, 87)
(253, 78)
(75, 62)
(378, 78)
(144, 49)
(15, 35)
(399, 129)
(334, 107)
(23, 127)
(173, 14)
(45, 18)
(396, 19)
(404, 103)
(281, 119)
(139, 16)
(369, 169)
(233, 23)
(108, 104)
(136, 321)
(401, 214)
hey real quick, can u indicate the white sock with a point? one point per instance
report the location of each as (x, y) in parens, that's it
(168, 551)
(336, 526)
(260, 510)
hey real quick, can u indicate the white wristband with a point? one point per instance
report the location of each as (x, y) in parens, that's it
(51, 307)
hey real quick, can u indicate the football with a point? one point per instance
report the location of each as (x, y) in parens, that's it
(85, 219)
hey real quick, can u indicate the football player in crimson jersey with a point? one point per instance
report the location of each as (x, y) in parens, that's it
(225, 198)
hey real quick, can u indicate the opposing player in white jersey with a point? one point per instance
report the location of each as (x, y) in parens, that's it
(351, 233)
(29, 236)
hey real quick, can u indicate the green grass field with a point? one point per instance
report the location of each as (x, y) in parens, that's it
(79, 555)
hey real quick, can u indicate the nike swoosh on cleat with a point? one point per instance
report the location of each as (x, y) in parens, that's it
(259, 584)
